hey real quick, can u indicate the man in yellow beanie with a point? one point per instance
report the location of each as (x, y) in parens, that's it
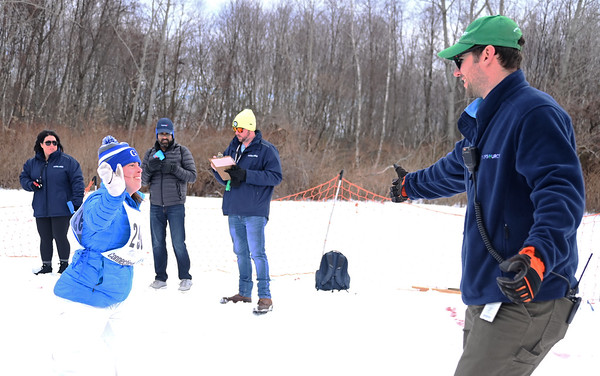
(246, 202)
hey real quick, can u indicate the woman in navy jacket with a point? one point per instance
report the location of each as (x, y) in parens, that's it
(57, 184)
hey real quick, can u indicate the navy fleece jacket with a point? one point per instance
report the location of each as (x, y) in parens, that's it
(529, 183)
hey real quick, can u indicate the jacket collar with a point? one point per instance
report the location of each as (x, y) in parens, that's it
(470, 128)
(52, 157)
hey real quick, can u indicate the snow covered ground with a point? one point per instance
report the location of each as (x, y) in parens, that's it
(382, 326)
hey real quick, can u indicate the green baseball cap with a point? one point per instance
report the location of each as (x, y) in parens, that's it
(495, 30)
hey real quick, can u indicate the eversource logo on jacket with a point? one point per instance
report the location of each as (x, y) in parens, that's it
(491, 156)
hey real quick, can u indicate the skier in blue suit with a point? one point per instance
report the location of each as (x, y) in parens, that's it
(100, 275)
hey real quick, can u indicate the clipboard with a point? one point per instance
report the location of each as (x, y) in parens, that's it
(221, 164)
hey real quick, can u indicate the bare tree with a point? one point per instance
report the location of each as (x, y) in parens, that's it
(392, 21)
(449, 73)
(573, 28)
(358, 89)
(158, 68)
(140, 71)
(333, 72)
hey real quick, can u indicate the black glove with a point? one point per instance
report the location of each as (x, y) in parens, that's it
(37, 183)
(529, 269)
(237, 174)
(168, 167)
(398, 185)
(154, 165)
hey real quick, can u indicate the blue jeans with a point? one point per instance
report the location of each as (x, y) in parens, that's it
(248, 236)
(175, 215)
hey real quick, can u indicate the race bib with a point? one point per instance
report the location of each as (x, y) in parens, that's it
(131, 253)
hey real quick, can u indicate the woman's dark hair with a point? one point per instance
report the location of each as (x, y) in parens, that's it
(40, 138)
(510, 58)
(137, 198)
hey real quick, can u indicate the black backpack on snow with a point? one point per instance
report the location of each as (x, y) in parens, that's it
(333, 272)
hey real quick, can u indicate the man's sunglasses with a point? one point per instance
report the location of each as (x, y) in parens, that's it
(458, 59)
(238, 129)
(48, 143)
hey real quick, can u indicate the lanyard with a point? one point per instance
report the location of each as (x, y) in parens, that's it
(238, 155)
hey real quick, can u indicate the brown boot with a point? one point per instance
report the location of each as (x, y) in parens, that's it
(236, 298)
(264, 305)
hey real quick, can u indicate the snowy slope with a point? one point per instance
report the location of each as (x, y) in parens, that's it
(381, 326)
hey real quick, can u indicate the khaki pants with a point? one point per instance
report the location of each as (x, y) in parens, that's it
(516, 341)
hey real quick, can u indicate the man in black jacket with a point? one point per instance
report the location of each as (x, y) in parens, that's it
(167, 168)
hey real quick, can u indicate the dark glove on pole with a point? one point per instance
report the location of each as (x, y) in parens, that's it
(529, 269)
(397, 192)
(237, 174)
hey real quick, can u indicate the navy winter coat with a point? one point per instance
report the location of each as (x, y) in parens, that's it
(263, 172)
(529, 183)
(62, 181)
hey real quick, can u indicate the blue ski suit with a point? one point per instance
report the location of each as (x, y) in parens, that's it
(91, 278)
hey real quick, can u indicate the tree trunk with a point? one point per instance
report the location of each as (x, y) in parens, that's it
(450, 79)
(391, 41)
(158, 68)
(358, 91)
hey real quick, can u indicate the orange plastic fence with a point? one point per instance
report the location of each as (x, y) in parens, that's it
(326, 191)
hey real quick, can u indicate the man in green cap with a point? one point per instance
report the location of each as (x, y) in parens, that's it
(518, 164)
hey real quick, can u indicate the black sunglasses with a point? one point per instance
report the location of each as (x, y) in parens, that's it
(458, 59)
(48, 143)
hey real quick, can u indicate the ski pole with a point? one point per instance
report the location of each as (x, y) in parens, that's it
(337, 191)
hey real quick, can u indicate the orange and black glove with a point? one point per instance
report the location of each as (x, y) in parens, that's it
(529, 269)
(397, 191)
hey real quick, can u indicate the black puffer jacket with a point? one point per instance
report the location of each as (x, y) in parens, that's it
(167, 189)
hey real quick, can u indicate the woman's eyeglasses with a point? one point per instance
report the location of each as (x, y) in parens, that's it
(238, 129)
(48, 143)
